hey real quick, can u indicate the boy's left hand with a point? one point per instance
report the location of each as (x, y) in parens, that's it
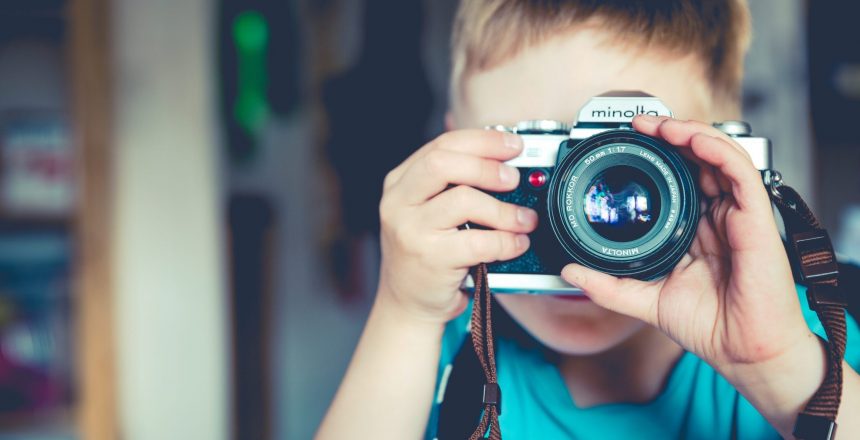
(731, 299)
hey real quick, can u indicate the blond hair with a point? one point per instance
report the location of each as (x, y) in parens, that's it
(488, 32)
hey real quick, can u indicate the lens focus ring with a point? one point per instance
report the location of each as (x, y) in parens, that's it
(624, 203)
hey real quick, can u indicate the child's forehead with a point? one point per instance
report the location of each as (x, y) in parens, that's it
(553, 79)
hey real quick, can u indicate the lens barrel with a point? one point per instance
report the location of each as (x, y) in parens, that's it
(623, 203)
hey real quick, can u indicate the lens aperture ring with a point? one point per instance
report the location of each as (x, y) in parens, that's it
(624, 203)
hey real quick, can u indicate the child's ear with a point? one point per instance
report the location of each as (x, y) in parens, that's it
(449, 121)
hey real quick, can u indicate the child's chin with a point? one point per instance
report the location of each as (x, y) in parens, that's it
(587, 343)
(574, 328)
(583, 335)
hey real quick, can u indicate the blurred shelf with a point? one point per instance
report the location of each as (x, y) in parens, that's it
(51, 249)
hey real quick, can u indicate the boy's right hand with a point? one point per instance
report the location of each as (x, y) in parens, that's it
(426, 198)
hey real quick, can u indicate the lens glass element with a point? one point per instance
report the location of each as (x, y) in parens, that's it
(621, 203)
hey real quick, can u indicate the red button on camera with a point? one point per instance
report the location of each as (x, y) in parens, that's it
(537, 178)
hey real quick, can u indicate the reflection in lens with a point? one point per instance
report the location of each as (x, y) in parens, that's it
(630, 205)
(619, 204)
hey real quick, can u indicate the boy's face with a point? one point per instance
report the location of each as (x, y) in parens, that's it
(552, 80)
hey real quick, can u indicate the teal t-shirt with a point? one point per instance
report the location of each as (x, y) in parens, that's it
(696, 403)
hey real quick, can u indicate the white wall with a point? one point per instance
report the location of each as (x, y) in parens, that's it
(171, 316)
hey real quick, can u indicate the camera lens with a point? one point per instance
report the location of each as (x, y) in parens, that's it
(623, 203)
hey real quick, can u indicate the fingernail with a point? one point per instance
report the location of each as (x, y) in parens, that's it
(508, 174)
(648, 118)
(526, 217)
(522, 241)
(512, 141)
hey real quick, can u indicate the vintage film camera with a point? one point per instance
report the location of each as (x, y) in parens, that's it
(607, 197)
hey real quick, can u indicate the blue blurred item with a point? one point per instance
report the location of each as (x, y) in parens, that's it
(35, 342)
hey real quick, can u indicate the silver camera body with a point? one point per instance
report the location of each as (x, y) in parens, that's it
(545, 144)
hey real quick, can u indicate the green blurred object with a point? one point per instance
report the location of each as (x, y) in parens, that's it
(251, 37)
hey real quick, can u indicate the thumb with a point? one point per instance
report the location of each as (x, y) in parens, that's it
(627, 296)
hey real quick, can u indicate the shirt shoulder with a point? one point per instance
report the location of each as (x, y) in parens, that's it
(453, 338)
(697, 398)
(852, 348)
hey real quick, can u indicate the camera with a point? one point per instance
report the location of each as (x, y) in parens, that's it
(607, 197)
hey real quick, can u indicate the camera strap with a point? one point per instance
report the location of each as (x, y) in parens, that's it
(483, 342)
(810, 252)
(814, 263)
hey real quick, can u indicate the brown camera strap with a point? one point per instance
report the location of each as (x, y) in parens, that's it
(812, 255)
(483, 342)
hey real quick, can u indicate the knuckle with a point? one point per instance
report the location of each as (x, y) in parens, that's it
(461, 197)
(442, 141)
(436, 161)
(389, 179)
(668, 122)
(699, 137)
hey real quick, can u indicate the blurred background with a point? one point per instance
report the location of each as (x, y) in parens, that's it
(189, 189)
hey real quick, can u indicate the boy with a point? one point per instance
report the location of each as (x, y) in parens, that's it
(717, 349)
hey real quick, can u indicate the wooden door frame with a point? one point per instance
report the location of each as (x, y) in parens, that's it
(92, 103)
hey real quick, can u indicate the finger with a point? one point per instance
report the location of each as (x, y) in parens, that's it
(679, 132)
(723, 182)
(744, 181)
(709, 239)
(473, 246)
(708, 181)
(462, 204)
(648, 124)
(440, 168)
(737, 170)
(490, 144)
(712, 184)
(623, 295)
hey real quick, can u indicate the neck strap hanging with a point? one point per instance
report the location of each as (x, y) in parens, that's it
(814, 262)
(482, 341)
